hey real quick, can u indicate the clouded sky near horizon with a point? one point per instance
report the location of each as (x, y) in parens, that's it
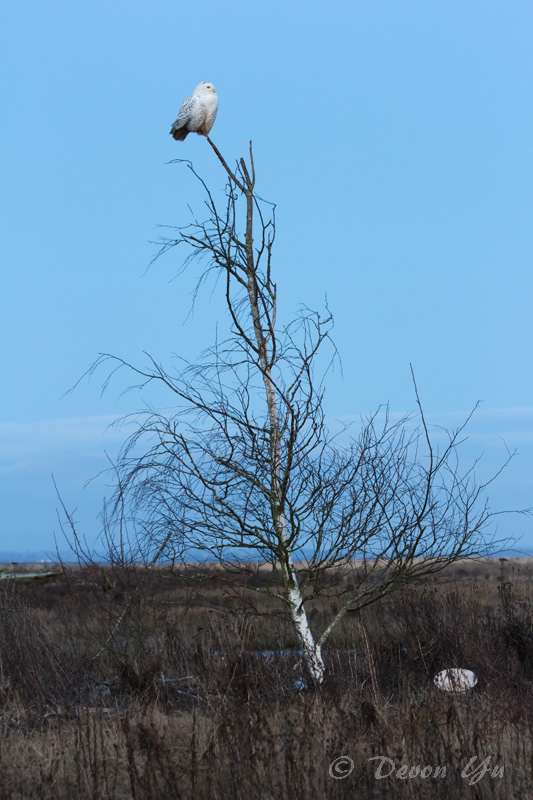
(396, 139)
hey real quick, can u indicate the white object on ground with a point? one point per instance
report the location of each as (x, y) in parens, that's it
(455, 680)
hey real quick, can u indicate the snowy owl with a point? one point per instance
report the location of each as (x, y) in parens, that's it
(197, 112)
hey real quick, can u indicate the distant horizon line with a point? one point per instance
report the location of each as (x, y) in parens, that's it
(9, 557)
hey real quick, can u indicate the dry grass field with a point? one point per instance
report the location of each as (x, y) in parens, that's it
(133, 683)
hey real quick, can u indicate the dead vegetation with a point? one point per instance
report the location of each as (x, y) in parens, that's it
(132, 683)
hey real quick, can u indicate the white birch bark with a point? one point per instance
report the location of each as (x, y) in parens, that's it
(310, 649)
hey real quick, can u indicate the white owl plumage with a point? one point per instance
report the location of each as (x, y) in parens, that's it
(197, 113)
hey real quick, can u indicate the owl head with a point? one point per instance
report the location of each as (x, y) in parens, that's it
(205, 87)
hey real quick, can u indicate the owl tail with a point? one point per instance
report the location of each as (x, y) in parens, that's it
(179, 134)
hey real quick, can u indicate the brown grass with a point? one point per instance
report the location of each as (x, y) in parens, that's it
(143, 684)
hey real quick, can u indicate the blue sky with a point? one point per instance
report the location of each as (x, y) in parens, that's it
(396, 139)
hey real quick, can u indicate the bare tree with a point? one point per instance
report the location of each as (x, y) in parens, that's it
(246, 468)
